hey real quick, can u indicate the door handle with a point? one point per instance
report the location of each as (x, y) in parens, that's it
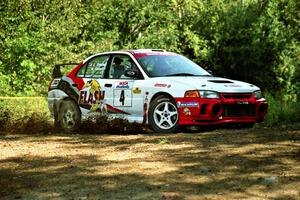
(107, 85)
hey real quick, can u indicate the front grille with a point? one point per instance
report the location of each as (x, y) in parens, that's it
(238, 110)
(236, 96)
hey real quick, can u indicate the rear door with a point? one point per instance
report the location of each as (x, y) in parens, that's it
(92, 96)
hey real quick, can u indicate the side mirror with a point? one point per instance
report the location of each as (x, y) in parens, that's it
(132, 73)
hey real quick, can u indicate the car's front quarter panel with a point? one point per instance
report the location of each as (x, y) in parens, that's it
(154, 86)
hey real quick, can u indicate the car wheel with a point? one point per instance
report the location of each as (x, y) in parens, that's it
(69, 116)
(163, 115)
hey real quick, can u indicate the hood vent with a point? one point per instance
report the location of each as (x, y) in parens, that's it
(220, 81)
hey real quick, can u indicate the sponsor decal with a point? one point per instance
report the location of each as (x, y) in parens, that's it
(187, 104)
(160, 85)
(123, 85)
(93, 96)
(186, 111)
(234, 85)
(137, 91)
(90, 98)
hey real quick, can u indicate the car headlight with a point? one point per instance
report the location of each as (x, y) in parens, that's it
(209, 94)
(257, 94)
(206, 94)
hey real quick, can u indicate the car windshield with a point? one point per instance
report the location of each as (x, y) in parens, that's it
(170, 65)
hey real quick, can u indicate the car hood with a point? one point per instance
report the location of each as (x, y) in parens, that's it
(218, 84)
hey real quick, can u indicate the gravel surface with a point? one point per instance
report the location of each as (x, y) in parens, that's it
(220, 164)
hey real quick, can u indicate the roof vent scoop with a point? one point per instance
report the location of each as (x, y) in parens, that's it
(220, 81)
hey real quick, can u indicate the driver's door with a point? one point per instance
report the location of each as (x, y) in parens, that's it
(122, 99)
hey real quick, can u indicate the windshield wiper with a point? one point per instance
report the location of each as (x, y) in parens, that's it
(181, 74)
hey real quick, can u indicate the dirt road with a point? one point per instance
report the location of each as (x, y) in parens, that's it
(219, 164)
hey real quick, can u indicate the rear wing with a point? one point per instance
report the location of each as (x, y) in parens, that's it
(57, 71)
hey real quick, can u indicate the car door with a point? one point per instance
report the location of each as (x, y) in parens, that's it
(124, 96)
(92, 96)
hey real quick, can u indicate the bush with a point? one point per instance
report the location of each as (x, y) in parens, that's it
(5, 116)
(24, 115)
(281, 112)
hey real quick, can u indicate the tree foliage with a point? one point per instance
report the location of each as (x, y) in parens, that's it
(250, 40)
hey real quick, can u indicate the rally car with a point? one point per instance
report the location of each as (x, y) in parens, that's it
(162, 89)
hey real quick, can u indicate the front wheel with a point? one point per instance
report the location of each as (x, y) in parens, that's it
(69, 116)
(163, 115)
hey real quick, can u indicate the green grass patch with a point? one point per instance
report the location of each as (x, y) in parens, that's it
(282, 112)
(162, 140)
(24, 114)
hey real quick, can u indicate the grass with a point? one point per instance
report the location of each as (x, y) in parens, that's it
(282, 113)
(24, 113)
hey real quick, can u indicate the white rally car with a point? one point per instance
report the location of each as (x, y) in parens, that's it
(155, 87)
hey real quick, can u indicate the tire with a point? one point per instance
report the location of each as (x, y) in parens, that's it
(69, 116)
(163, 115)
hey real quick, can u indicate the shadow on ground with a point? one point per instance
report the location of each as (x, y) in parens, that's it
(221, 164)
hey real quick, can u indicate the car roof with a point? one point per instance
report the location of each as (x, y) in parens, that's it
(137, 53)
(148, 52)
(134, 51)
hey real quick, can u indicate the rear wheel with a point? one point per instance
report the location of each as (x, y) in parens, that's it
(69, 116)
(163, 115)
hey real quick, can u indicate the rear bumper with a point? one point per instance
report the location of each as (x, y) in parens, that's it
(196, 111)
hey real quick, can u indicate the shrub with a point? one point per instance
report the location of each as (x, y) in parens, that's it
(24, 115)
(281, 112)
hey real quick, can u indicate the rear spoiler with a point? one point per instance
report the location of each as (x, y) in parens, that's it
(57, 72)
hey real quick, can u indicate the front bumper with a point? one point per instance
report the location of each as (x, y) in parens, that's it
(230, 108)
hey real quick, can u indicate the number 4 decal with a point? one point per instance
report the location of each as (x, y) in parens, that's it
(122, 97)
